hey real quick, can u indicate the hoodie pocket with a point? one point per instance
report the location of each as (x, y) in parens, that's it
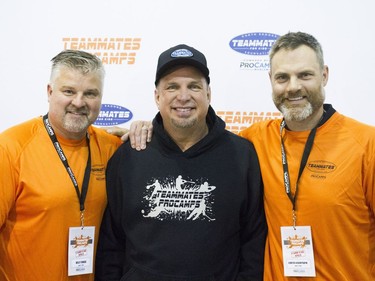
(136, 274)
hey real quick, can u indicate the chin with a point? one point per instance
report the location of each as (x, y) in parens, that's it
(296, 117)
(77, 127)
(296, 114)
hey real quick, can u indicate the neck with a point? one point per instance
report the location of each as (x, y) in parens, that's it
(307, 124)
(186, 138)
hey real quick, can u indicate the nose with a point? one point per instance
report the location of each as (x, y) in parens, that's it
(294, 84)
(183, 94)
(78, 100)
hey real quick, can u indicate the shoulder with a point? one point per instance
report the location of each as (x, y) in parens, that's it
(259, 128)
(22, 133)
(236, 139)
(355, 124)
(237, 146)
(102, 136)
(362, 133)
(351, 126)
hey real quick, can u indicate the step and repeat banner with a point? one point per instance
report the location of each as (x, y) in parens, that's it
(234, 35)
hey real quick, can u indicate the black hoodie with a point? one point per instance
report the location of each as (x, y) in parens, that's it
(195, 215)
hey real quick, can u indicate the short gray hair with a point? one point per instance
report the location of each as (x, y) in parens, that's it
(78, 60)
(293, 40)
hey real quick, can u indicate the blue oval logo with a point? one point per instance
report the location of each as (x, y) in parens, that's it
(181, 53)
(255, 44)
(111, 114)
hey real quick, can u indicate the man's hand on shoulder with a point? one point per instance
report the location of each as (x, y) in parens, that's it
(139, 134)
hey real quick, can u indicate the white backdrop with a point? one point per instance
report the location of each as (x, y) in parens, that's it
(32, 32)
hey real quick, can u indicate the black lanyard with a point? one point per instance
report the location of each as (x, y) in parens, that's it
(305, 156)
(64, 160)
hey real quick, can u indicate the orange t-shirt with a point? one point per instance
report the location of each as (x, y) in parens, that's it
(38, 202)
(336, 196)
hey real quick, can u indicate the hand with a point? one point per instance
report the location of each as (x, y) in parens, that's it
(139, 134)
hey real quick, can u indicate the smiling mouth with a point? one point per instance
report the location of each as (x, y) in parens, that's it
(183, 112)
(183, 109)
(77, 113)
(295, 99)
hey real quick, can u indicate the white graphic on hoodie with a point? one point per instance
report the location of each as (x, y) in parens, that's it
(178, 199)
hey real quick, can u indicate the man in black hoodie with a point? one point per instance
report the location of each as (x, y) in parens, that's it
(190, 206)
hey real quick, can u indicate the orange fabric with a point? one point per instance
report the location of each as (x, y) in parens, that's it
(38, 202)
(335, 197)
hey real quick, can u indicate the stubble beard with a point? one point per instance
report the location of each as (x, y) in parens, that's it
(296, 113)
(184, 124)
(301, 113)
(76, 126)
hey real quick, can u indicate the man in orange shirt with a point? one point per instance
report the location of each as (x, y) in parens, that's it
(52, 192)
(318, 172)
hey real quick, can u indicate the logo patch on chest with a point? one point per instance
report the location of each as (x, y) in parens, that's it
(178, 199)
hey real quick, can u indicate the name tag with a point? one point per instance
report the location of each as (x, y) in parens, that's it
(298, 252)
(81, 250)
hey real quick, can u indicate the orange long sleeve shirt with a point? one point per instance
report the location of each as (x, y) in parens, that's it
(336, 196)
(38, 202)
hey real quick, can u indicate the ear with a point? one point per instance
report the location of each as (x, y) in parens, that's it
(325, 75)
(157, 97)
(209, 94)
(49, 91)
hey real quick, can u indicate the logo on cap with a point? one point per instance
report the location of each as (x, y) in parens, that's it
(181, 53)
